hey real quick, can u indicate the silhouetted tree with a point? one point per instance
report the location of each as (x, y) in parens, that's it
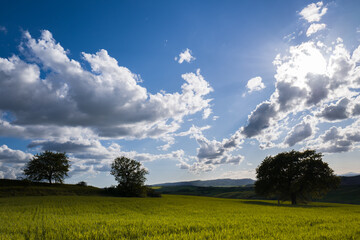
(130, 175)
(295, 176)
(48, 166)
(82, 183)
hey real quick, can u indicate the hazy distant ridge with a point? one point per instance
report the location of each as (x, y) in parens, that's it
(226, 182)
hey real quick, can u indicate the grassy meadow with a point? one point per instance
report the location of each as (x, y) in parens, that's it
(172, 217)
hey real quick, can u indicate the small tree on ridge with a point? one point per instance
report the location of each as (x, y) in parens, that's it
(130, 175)
(48, 166)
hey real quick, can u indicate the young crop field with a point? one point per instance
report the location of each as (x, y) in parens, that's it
(172, 217)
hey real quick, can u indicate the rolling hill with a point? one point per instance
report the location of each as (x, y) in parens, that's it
(226, 182)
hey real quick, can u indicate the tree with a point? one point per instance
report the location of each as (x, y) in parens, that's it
(48, 166)
(130, 175)
(295, 176)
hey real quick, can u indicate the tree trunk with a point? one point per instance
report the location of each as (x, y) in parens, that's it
(293, 199)
(50, 177)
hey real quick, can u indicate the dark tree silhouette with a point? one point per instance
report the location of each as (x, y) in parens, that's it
(48, 166)
(130, 175)
(296, 176)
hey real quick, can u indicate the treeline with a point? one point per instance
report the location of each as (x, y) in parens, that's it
(54, 167)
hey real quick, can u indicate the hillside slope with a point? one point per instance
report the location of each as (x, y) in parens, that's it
(10, 188)
(348, 191)
(226, 182)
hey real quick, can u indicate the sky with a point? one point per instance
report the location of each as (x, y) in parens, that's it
(191, 89)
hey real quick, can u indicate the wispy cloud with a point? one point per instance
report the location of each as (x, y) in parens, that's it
(255, 84)
(185, 56)
(315, 27)
(313, 12)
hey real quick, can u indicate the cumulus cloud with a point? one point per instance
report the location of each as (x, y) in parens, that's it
(313, 12)
(259, 119)
(300, 132)
(108, 99)
(90, 155)
(255, 84)
(314, 28)
(11, 162)
(312, 78)
(339, 139)
(185, 56)
(62, 106)
(337, 111)
(212, 153)
(8, 155)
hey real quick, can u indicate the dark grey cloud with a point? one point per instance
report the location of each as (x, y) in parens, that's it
(318, 88)
(335, 149)
(299, 133)
(259, 119)
(356, 110)
(338, 139)
(354, 136)
(67, 146)
(331, 134)
(336, 111)
(289, 95)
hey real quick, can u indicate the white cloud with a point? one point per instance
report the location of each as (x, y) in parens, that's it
(315, 27)
(8, 155)
(309, 80)
(212, 153)
(185, 56)
(255, 84)
(207, 112)
(301, 131)
(215, 118)
(61, 106)
(313, 12)
(339, 139)
(11, 162)
(108, 100)
(89, 155)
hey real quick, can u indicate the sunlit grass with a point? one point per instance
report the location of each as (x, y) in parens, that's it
(172, 217)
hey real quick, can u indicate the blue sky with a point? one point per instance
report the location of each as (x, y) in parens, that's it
(192, 89)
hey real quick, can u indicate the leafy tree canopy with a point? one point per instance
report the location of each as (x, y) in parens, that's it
(295, 176)
(48, 166)
(130, 175)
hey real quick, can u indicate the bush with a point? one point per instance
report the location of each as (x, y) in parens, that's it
(150, 192)
(82, 183)
(144, 191)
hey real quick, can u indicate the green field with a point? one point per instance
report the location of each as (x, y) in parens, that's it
(172, 217)
(343, 194)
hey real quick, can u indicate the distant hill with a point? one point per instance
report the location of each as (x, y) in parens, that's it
(348, 191)
(349, 174)
(353, 180)
(226, 182)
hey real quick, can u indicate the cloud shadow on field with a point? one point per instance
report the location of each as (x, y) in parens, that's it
(263, 203)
